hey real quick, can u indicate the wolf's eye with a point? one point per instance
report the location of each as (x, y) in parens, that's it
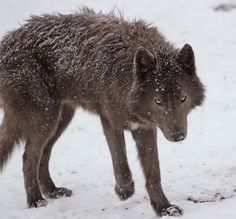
(183, 98)
(158, 102)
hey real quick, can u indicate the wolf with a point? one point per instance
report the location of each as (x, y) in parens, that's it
(124, 71)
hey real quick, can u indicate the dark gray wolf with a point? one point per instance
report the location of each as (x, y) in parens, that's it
(125, 72)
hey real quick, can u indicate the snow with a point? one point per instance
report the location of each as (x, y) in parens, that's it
(202, 168)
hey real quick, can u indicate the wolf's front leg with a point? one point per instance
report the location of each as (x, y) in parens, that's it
(146, 141)
(115, 138)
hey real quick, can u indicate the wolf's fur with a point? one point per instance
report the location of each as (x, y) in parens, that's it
(126, 72)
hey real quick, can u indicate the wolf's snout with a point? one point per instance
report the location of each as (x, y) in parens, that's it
(178, 137)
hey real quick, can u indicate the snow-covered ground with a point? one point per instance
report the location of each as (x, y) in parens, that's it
(202, 167)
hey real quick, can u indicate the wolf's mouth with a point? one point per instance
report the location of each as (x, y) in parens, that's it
(178, 137)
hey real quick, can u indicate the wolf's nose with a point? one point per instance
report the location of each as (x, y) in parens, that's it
(178, 137)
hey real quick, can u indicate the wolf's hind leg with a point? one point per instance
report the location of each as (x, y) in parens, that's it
(37, 131)
(48, 187)
(115, 138)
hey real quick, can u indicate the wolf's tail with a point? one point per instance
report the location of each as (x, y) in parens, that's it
(9, 137)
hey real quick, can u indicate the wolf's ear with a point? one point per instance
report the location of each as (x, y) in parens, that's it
(187, 60)
(144, 61)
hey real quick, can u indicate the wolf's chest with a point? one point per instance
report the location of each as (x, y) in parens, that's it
(135, 125)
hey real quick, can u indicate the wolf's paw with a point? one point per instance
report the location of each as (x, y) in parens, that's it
(38, 203)
(59, 192)
(125, 192)
(173, 210)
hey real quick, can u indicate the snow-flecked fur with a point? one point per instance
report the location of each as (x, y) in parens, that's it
(124, 71)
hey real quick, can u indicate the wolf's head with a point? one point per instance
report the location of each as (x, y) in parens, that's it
(165, 90)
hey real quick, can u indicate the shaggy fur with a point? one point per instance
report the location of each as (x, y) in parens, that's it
(126, 72)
